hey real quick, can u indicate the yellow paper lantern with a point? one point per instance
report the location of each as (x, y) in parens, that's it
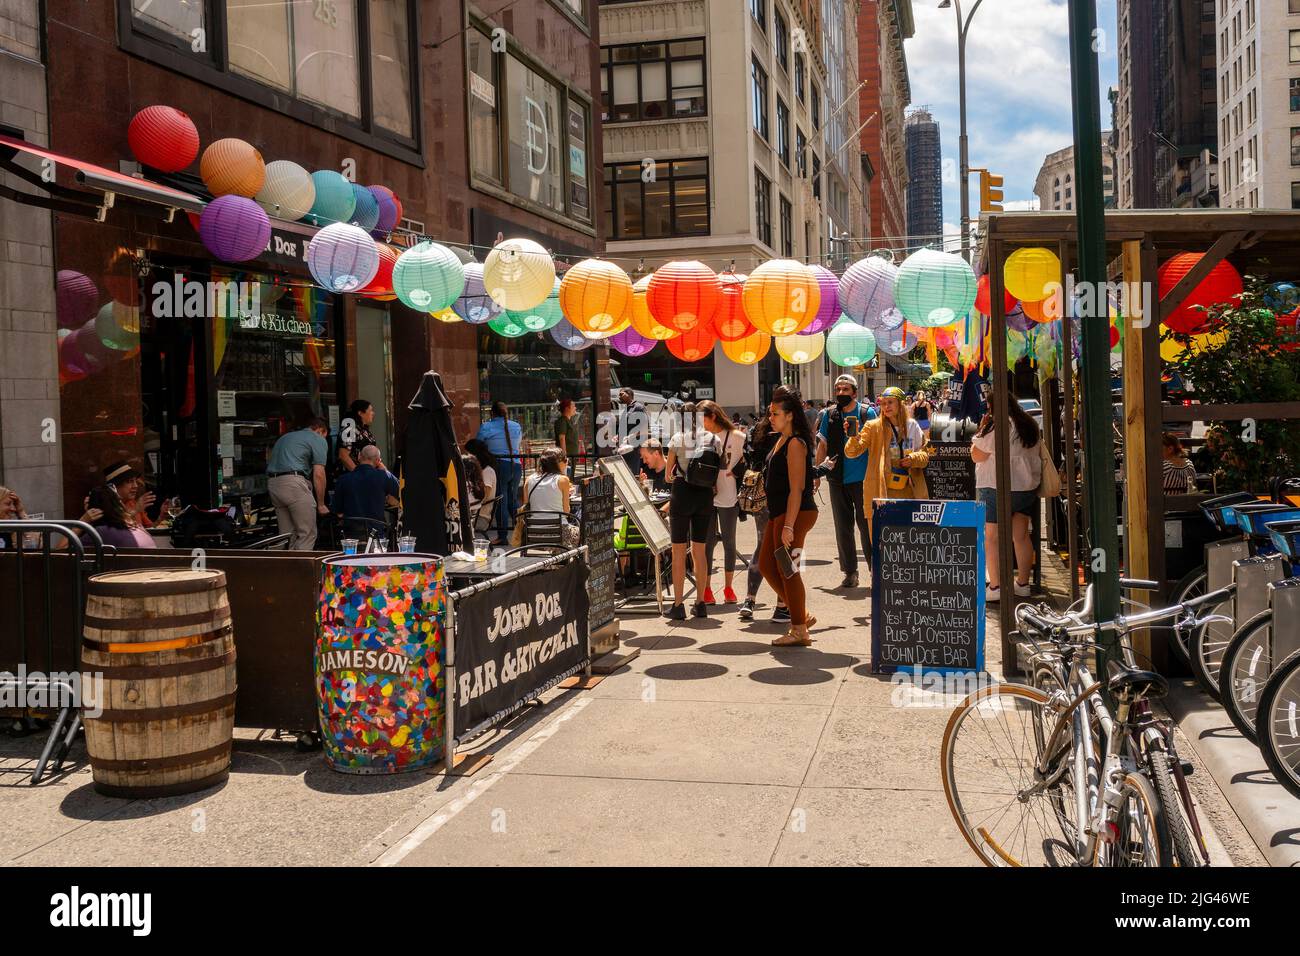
(1206, 342)
(781, 297)
(446, 315)
(801, 349)
(518, 274)
(749, 350)
(1030, 274)
(596, 296)
(640, 317)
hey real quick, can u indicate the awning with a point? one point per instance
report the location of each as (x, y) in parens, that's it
(38, 166)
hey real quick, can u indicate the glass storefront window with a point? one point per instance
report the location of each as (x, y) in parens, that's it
(536, 134)
(390, 68)
(530, 374)
(485, 156)
(259, 42)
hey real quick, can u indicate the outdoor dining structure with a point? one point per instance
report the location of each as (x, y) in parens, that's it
(1196, 297)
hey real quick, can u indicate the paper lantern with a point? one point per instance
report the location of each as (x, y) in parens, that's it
(519, 274)
(1282, 297)
(800, 349)
(640, 315)
(429, 277)
(98, 354)
(567, 337)
(693, 346)
(684, 295)
(232, 166)
(750, 350)
(888, 321)
(1218, 288)
(74, 360)
(1030, 274)
(365, 208)
(1171, 348)
(1048, 310)
(1114, 338)
(334, 201)
(867, 290)
(509, 325)
(390, 209)
(934, 288)
(163, 137)
(234, 228)
(287, 191)
(117, 326)
(897, 341)
(984, 297)
(828, 311)
(1017, 319)
(631, 343)
(596, 296)
(1018, 346)
(474, 305)
(781, 297)
(447, 316)
(850, 344)
(381, 286)
(75, 297)
(546, 316)
(602, 336)
(729, 321)
(343, 258)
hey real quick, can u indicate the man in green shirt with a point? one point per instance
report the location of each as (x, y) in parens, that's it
(566, 433)
(296, 481)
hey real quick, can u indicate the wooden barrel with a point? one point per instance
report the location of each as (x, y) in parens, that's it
(158, 659)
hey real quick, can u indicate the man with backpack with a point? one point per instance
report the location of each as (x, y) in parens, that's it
(848, 510)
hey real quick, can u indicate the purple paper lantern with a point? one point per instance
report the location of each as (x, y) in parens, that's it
(75, 298)
(366, 213)
(388, 211)
(567, 337)
(234, 228)
(342, 258)
(631, 343)
(828, 313)
(1016, 319)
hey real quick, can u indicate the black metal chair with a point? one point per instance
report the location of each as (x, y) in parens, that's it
(547, 527)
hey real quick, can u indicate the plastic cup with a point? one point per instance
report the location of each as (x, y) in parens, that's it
(406, 544)
(350, 545)
(481, 550)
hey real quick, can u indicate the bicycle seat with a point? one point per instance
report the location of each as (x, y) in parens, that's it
(1131, 684)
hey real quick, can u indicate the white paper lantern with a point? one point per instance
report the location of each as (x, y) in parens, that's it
(288, 191)
(519, 274)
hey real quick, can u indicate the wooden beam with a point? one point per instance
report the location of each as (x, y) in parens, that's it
(1197, 274)
(1260, 411)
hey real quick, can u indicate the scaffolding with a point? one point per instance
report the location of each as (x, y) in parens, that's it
(924, 174)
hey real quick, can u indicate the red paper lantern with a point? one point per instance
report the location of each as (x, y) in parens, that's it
(984, 297)
(693, 346)
(684, 296)
(381, 286)
(163, 137)
(1288, 326)
(730, 322)
(1217, 288)
(1114, 336)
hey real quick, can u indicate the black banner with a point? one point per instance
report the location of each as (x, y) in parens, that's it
(517, 640)
(598, 536)
(951, 472)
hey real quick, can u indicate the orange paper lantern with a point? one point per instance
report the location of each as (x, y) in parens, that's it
(640, 315)
(684, 295)
(595, 296)
(750, 350)
(693, 346)
(781, 297)
(232, 166)
(1047, 310)
(730, 322)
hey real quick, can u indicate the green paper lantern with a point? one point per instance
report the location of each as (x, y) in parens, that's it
(509, 325)
(428, 277)
(934, 288)
(545, 316)
(850, 344)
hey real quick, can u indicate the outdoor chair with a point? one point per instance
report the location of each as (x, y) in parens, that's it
(547, 527)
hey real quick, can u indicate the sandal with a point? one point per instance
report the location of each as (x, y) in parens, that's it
(792, 638)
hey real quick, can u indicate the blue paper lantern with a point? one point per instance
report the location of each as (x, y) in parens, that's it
(429, 277)
(365, 212)
(567, 336)
(342, 257)
(335, 200)
(935, 288)
(474, 305)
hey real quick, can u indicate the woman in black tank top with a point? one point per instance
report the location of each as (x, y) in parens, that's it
(791, 509)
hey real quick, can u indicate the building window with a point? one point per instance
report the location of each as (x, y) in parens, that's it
(390, 69)
(1295, 146)
(579, 189)
(787, 229)
(781, 40)
(783, 132)
(758, 91)
(179, 18)
(800, 68)
(484, 135)
(1295, 195)
(1295, 46)
(670, 200)
(758, 10)
(535, 134)
(1295, 94)
(763, 207)
(816, 176)
(651, 81)
(816, 107)
(576, 7)
(801, 153)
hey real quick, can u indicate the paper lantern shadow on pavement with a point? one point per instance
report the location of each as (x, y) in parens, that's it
(519, 274)
(163, 137)
(232, 166)
(934, 288)
(1218, 288)
(429, 277)
(684, 296)
(343, 258)
(781, 297)
(234, 228)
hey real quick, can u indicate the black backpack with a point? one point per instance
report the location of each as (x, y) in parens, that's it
(702, 469)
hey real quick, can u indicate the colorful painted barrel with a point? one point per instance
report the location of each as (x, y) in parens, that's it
(379, 657)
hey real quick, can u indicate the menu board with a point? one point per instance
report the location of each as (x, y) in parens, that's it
(644, 514)
(598, 536)
(951, 472)
(927, 599)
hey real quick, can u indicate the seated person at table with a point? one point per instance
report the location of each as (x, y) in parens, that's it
(107, 514)
(654, 464)
(548, 490)
(364, 492)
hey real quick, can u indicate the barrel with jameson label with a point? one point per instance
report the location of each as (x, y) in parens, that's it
(379, 658)
(927, 600)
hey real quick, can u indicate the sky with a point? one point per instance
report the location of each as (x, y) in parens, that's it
(1017, 88)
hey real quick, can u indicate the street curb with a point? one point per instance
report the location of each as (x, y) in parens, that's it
(1269, 813)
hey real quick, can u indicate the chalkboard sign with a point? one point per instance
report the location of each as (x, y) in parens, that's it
(598, 536)
(927, 599)
(951, 472)
(643, 512)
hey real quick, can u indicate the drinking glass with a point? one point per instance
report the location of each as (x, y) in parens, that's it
(350, 545)
(481, 550)
(406, 544)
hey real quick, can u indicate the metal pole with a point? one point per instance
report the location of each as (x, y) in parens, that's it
(1099, 458)
(964, 142)
(449, 689)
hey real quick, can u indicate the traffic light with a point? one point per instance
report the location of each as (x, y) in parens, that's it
(990, 192)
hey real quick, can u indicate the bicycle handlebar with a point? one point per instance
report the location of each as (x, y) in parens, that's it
(1076, 625)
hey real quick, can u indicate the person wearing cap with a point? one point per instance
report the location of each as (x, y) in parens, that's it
(849, 508)
(296, 482)
(896, 451)
(130, 487)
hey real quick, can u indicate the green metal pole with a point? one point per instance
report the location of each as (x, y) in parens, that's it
(1103, 559)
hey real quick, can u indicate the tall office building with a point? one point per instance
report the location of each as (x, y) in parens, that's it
(1054, 186)
(924, 179)
(1258, 102)
(882, 64)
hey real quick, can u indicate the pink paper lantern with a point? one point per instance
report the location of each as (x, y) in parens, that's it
(631, 343)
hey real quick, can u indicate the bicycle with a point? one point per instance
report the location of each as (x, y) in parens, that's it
(1277, 726)
(1067, 781)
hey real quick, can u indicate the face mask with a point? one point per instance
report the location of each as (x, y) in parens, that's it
(844, 401)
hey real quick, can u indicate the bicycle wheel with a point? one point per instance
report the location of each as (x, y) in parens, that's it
(1245, 668)
(1207, 646)
(989, 764)
(1180, 831)
(1063, 794)
(1142, 839)
(1277, 724)
(1193, 585)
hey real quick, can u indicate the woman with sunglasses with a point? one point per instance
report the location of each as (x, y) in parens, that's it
(896, 448)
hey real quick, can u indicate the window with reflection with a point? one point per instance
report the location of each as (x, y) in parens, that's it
(177, 18)
(649, 81)
(657, 201)
(536, 133)
(484, 128)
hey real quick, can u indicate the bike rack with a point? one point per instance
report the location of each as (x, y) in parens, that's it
(1284, 596)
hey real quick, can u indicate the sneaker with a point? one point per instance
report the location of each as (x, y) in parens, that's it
(676, 613)
(1022, 590)
(708, 596)
(850, 580)
(747, 610)
(782, 613)
(729, 595)
(700, 610)
(992, 595)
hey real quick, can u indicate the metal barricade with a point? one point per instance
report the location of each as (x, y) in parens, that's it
(36, 658)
